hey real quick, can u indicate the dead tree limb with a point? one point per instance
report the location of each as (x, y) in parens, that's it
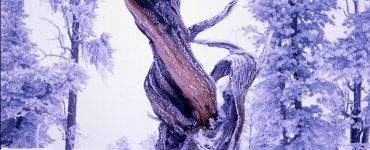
(182, 94)
(220, 44)
(206, 24)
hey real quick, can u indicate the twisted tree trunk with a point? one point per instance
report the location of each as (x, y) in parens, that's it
(181, 93)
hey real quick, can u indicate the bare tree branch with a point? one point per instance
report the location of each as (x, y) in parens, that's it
(251, 29)
(221, 69)
(220, 44)
(49, 55)
(347, 102)
(153, 117)
(345, 114)
(348, 83)
(345, 14)
(59, 37)
(206, 24)
(263, 56)
(344, 94)
(66, 21)
(347, 8)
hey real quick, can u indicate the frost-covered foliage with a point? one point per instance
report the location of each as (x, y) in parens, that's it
(282, 114)
(99, 53)
(31, 95)
(281, 15)
(150, 141)
(120, 144)
(346, 63)
(350, 56)
(79, 16)
(15, 45)
(95, 50)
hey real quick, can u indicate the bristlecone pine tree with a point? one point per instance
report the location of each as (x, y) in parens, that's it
(181, 93)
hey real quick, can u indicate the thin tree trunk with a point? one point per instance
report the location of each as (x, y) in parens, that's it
(181, 93)
(297, 53)
(365, 135)
(297, 103)
(356, 126)
(37, 136)
(356, 5)
(284, 132)
(72, 96)
(71, 121)
(283, 112)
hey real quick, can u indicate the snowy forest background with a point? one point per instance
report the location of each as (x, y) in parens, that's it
(312, 91)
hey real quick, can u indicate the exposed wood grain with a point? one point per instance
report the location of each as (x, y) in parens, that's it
(195, 84)
(181, 93)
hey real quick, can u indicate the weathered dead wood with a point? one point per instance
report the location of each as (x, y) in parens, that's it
(206, 24)
(160, 22)
(220, 44)
(241, 69)
(182, 95)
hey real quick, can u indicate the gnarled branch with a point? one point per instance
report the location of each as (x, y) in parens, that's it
(220, 44)
(160, 22)
(206, 24)
(181, 93)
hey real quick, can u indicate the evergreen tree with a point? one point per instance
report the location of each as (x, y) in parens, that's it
(31, 95)
(121, 144)
(347, 63)
(282, 115)
(78, 17)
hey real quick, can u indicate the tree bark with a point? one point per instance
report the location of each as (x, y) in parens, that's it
(297, 53)
(72, 95)
(356, 126)
(181, 93)
(365, 135)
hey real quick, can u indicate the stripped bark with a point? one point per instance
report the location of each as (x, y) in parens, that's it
(181, 93)
(161, 23)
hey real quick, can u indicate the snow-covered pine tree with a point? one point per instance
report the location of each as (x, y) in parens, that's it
(32, 95)
(120, 144)
(347, 62)
(357, 66)
(284, 115)
(79, 17)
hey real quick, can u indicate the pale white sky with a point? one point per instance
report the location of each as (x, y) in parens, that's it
(118, 105)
